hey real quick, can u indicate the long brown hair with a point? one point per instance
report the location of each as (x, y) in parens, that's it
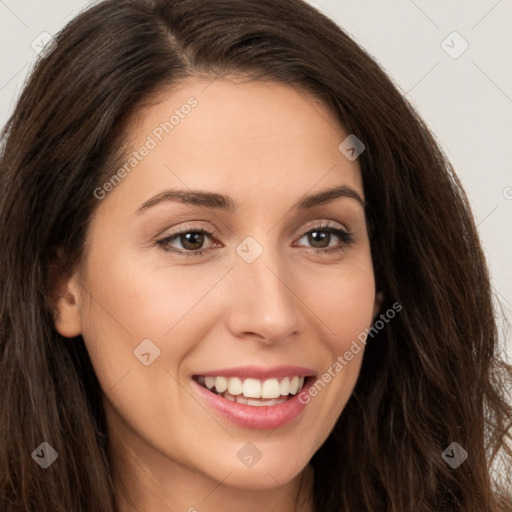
(431, 377)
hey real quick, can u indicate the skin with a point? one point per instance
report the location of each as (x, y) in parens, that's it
(266, 145)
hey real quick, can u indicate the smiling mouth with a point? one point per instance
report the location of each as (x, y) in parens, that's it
(254, 392)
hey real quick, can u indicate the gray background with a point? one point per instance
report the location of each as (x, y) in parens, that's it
(467, 100)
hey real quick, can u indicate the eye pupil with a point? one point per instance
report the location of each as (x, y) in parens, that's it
(188, 240)
(319, 236)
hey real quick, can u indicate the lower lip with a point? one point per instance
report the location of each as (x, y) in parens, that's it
(263, 418)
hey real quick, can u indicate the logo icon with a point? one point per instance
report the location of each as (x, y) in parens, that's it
(44, 44)
(454, 45)
(249, 249)
(249, 455)
(351, 147)
(44, 455)
(454, 455)
(146, 352)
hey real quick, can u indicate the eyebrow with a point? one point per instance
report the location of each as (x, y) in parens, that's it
(223, 202)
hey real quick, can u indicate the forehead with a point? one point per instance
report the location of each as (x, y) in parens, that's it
(255, 139)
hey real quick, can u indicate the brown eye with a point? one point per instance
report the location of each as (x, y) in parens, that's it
(190, 242)
(320, 238)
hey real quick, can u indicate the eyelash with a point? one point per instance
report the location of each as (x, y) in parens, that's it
(345, 237)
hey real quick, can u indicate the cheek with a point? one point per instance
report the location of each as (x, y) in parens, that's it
(343, 300)
(144, 298)
(343, 303)
(129, 299)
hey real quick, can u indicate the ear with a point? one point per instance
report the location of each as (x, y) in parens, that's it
(67, 306)
(379, 297)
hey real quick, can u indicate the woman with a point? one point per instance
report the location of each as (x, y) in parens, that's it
(211, 211)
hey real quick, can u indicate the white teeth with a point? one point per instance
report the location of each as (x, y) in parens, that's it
(271, 389)
(294, 385)
(235, 386)
(251, 401)
(285, 387)
(253, 388)
(221, 384)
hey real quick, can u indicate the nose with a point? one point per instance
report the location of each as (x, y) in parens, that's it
(263, 304)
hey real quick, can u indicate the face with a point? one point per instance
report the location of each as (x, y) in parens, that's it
(257, 283)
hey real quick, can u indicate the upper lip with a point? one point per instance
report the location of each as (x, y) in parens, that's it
(259, 372)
